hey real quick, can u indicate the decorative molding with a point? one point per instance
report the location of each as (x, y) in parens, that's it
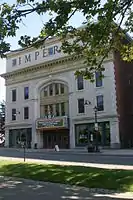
(39, 67)
(48, 68)
(17, 125)
(85, 118)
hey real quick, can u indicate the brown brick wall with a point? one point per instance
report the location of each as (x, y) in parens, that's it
(124, 93)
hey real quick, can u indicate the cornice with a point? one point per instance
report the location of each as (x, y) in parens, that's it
(48, 68)
(86, 118)
(40, 66)
(17, 124)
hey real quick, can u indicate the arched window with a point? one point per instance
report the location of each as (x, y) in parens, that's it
(54, 100)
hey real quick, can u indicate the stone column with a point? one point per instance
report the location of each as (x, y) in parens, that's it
(114, 134)
(40, 140)
(35, 116)
(6, 137)
(71, 125)
(72, 135)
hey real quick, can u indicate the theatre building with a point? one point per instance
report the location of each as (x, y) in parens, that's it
(47, 105)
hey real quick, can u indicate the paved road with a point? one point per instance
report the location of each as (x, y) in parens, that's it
(14, 189)
(74, 157)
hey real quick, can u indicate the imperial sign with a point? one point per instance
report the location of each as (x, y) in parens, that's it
(36, 55)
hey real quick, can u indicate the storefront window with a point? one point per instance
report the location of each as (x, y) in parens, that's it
(83, 134)
(16, 136)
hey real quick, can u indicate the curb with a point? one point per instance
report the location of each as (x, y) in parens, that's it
(79, 153)
(70, 152)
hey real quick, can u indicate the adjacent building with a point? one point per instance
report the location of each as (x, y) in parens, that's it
(45, 103)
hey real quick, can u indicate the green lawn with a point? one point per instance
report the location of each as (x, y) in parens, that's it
(84, 176)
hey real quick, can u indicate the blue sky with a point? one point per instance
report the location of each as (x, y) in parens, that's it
(30, 26)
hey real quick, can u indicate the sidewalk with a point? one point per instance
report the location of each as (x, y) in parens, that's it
(103, 152)
(68, 163)
(18, 188)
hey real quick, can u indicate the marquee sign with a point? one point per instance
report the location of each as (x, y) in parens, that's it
(52, 123)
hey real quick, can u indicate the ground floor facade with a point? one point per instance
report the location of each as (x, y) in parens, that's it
(46, 133)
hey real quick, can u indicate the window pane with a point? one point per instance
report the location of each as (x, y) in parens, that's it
(51, 109)
(80, 82)
(13, 95)
(13, 114)
(56, 88)
(51, 89)
(45, 92)
(99, 81)
(81, 135)
(81, 105)
(62, 109)
(57, 107)
(46, 110)
(26, 113)
(100, 103)
(14, 62)
(62, 88)
(26, 93)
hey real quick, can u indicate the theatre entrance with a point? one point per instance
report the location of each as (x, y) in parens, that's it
(58, 136)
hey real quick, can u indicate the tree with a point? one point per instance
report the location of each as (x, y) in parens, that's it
(2, 123)
(100, 34)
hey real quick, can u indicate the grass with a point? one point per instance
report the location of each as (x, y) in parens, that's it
(121, 180)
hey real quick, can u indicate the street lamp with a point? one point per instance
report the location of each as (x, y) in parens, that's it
(87, 102)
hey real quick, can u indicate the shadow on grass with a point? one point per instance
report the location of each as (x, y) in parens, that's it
(120, 180)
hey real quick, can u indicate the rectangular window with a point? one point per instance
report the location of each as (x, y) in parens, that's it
(26, 93)
(56, 88)
(62, 89)
(45, 92)
(51, 109)
(13, 95)
(26, 113)
(14, 62)
(62, 109)
(46, 110)
(98, 77)
(80, 82)
(13, 114)
(100, 103)
(57, 107)
(81, 106)
(51, 89)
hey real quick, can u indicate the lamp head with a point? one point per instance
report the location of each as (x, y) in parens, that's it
(87, 102)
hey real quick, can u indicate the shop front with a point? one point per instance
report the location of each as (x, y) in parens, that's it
(85, 133)
(53, 131)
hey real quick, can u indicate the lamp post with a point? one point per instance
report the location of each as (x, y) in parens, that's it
(96, 128)
(96, 124)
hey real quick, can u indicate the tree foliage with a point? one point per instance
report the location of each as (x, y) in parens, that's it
(100, 34)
